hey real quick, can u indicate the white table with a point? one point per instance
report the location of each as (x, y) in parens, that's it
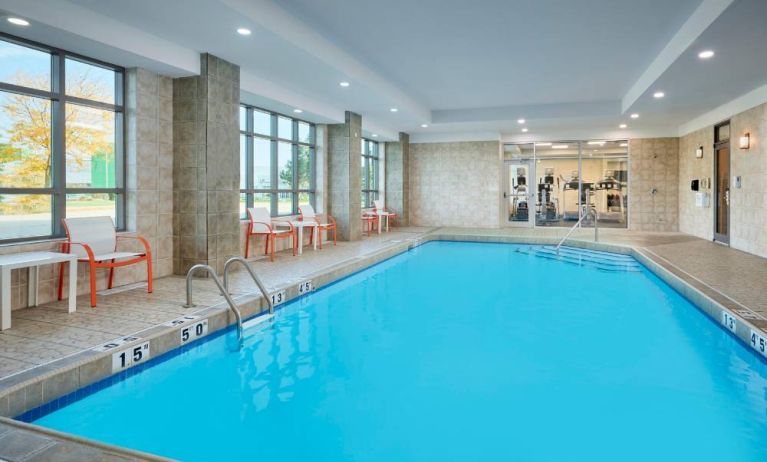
(31, 261)
(381, 215)
(300, 225)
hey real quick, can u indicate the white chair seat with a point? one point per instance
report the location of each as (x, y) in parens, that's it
(116, 255)
(281, 231)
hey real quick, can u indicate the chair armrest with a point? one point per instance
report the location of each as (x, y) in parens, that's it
(277, 223)
(331, 219)
(88, 250)
(142, 240)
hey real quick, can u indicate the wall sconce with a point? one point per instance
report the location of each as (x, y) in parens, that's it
(745, 141)
(699, 152)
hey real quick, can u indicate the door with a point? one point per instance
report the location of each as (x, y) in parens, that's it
(722, 184)
(518, 193)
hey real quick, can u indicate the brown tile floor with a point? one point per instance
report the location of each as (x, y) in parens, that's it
(43, 334)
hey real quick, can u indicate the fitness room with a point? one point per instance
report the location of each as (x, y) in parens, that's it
(553, 184)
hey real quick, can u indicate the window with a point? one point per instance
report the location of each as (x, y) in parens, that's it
(369, 172)
(277, 162)
(61, 127)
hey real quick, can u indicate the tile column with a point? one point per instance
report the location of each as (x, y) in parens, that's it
(206, 165)
(343, 185)
(397, 178)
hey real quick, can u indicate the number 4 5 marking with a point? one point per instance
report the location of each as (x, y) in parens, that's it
(759, 342)
(305, 287)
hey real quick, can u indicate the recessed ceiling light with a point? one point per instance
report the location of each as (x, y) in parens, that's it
(560, 146)
(623, 145)
(658, 95)
(524, 130)
(635, 116)
(596, 143)
(344, 84)
(374, 135)
(706, 54)
(622, 126)
(542, 144)
(394, 109)
(424, 126)
(243, 31)
(520, 121)
(298, 111)
(18, 21)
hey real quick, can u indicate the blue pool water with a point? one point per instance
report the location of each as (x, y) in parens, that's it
(453, 352)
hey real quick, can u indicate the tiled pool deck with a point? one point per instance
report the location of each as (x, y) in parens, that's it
(49, 352)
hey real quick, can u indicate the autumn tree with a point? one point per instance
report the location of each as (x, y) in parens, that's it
(26, 148)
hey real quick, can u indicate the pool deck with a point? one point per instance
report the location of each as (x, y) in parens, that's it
(49, 352)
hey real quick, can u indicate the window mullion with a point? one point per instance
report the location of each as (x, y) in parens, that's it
(58, 148)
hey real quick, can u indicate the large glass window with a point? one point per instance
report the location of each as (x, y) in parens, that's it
(369, 172)
(61, 125)
(278, 156)
(573, 175)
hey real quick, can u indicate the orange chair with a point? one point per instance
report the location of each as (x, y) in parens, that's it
(261, 224)
(306, 212)
(94, 241)
(370, 221)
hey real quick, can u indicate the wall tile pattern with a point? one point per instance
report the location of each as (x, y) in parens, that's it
(654, 164)
(455, 184)
(344, 184)
(698, 221)
(397, 178)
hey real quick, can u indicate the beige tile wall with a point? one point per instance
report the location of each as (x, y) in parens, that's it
(748, 204)
(654, 165)
(698, 221)
(455, 184)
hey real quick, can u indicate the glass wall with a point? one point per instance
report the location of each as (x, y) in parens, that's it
(277, 162)
(61, 152)
(573, 175)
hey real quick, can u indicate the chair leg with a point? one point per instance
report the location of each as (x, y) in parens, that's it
(247, 244)
(149, 276)
(274, 240)
(111, 275)
(335, 230)
(319, 236)
(266, 245)
(92, 271)
(293, 243)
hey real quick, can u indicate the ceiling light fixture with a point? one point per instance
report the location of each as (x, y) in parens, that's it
(745, 141)
(520, 121)
(624, 145)
(542, 144)
(344, 84)
(635, 116)
(524, 130)
(243, 31)
(560, 146)
(298, 111)
(622, 126)
(374, 135)
(18, 21)
(596, 143)
(658, 95)
(394, 109)
(424, 126)
(706, 54)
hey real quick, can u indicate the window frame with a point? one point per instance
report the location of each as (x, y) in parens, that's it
(59, 99)
(371, 152)
(274, 141)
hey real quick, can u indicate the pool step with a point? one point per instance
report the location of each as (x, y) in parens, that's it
(604, 261)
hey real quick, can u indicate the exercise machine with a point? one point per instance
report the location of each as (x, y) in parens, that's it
(611, 198)
(546, 207)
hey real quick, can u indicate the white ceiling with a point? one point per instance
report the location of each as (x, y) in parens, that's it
(469, 69)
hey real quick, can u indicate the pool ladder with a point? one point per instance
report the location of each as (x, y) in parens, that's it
(224, 288)
(589, 211)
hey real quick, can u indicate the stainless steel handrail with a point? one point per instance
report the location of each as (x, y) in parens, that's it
(224, 292)
(256, 279)
(590, 211)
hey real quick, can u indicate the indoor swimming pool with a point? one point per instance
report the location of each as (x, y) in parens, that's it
(452, 352)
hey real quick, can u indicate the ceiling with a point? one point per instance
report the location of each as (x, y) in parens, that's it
(468, 69)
